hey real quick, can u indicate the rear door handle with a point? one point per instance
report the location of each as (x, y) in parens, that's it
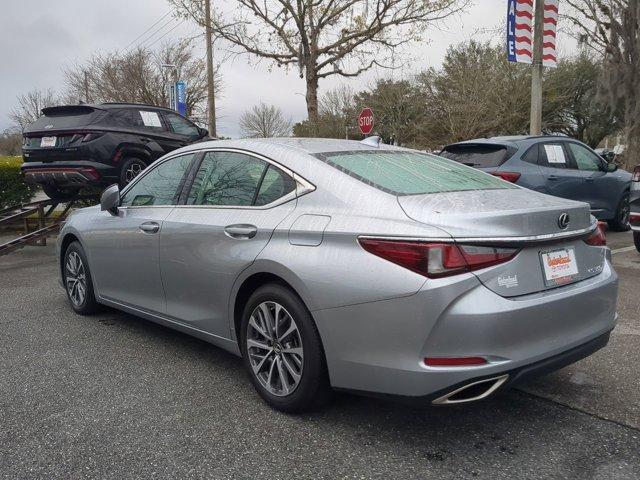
(552, 177)
(149, 227)
(241, 231)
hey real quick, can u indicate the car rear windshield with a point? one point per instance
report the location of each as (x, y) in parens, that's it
(65, 117)
(482, 156)
(411, 173)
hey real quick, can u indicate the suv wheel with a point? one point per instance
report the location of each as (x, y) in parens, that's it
(77, 280)
(131, 168)
(282, 351)
(620, 223)
(62, 194)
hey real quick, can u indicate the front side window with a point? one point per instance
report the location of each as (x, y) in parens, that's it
(182, 126)
(411, 173)
(585, 158)
(237, 179)
(161, 185)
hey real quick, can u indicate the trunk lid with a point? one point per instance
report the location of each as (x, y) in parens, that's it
(514, 218)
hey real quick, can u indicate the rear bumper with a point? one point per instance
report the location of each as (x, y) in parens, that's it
(378, 348)
(68, 174)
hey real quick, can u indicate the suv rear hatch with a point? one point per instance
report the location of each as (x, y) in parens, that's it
(59, 129)
(485, 156)
(525, 221)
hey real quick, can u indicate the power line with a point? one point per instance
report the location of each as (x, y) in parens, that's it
(166, 33)
(153, 25)
(155, 32)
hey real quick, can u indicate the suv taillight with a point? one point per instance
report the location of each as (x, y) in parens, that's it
(91, 136)
(597, 237)
(436, 260)
(636, 174)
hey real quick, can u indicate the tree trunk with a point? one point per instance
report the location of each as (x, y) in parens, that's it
(312, 99)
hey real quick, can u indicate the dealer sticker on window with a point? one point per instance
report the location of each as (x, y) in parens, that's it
(559, 266)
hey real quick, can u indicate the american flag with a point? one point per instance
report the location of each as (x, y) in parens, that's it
(549, 56)
(520, 17)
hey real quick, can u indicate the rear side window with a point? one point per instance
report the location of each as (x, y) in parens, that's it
(481, 156)
(552, 155)
(411, 173)
(275, 184)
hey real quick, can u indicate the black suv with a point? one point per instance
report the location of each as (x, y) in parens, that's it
(74, 146)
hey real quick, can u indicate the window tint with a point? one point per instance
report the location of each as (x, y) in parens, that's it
(147, 119)
(275, 184)
(552, 155)
(477, 155)
(410, 173)
(121, 118)
(227, 178)
(585, 158)
(182, 126)
(161, 185)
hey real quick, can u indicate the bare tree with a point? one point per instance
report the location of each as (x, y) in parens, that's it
(265, 121)
(323, 37)
(30, 106)
(138, 76)
(611, 28)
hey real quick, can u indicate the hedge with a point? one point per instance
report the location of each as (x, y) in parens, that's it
(13, 190)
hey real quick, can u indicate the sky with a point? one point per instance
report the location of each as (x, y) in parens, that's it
(39, 37)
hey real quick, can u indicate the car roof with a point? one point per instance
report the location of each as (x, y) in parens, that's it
(516, 141)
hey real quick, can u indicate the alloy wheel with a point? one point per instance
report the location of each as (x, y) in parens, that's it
(274, 348)
(75, 279)
(133, 171)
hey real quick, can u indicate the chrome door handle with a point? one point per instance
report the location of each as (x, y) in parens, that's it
(241, 231)
(149, 227)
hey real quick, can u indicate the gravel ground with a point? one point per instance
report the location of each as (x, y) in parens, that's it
(114, 396)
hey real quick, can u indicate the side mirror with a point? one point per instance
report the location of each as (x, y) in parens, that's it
(611, 167)
(203, 132)
(110, 199)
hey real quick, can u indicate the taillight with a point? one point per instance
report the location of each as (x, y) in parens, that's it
(636, 174)
(597, 238)
(435, 260)
(634, 219)
(91, 136)
(508, 176)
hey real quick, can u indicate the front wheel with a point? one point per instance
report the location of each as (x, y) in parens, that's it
(282, 351)
(620, 223)
(77, 280)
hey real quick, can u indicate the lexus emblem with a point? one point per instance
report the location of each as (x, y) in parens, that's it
(49, 126)
(563, 221)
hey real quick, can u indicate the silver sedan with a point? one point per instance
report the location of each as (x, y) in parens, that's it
(343, 265)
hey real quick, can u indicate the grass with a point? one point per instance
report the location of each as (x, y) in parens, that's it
(10, 162)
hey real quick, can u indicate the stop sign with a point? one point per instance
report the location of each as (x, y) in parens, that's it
(365, 121)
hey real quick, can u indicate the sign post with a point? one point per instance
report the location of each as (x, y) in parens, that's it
(365, 121)
(181, 98)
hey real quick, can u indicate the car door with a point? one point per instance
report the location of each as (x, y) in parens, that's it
(234, 204)
(125, 248)
(155, 135)
(561, 179)
(600, 189)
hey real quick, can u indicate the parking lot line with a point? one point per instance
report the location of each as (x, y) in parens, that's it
(624, 249)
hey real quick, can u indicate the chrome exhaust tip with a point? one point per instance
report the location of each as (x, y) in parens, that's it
(474, 391)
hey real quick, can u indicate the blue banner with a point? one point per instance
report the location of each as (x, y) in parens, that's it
(181, 98)
(511, 30)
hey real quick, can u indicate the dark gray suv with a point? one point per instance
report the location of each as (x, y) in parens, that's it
(555, 165)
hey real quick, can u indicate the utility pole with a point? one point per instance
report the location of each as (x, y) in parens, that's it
(536, 73)
(211, 100)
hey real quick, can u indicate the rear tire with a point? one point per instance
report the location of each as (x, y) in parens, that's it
(77, 280)
(636, 240)
(620, 223)
(288, 370)
(131, 168)
(62, 194)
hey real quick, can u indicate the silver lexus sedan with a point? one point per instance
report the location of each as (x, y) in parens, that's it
(343, 265)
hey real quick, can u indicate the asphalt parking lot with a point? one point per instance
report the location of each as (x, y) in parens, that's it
(114, 396)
